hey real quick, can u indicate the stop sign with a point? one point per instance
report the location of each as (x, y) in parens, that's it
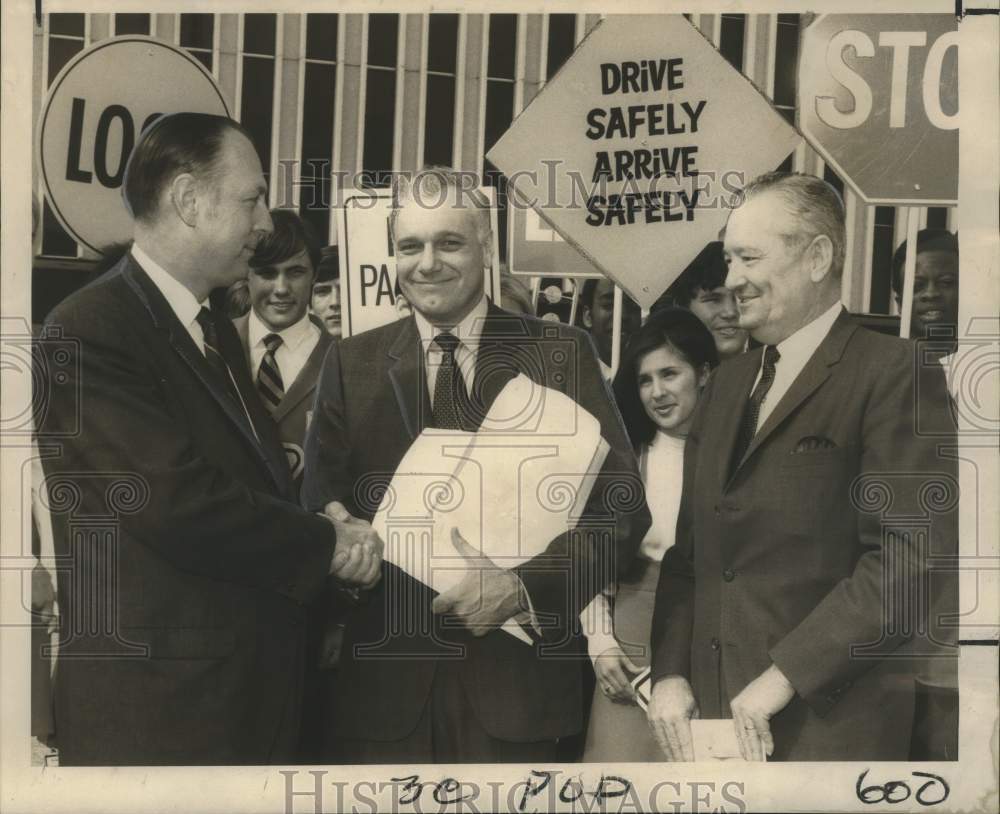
(878, 98)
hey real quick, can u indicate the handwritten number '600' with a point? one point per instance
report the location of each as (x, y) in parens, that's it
(895, 791)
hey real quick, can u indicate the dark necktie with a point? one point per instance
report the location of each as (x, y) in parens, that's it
(449, 386)
(748, 427)
(218, 363)
(269, 383)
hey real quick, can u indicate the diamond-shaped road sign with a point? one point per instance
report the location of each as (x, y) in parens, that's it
(634, 149)
(878, 98)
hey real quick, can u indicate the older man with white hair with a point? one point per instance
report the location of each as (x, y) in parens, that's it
(796, 598)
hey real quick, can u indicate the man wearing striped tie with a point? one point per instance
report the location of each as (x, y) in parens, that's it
(284, 345)
(799, 600)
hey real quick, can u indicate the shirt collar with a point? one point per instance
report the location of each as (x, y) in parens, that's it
(468, 331)
(803, 343)
(291, 337)
(178, 296)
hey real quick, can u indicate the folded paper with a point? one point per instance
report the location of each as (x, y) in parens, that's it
(510, 488)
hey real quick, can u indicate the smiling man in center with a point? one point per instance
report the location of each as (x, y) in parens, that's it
(432, 679)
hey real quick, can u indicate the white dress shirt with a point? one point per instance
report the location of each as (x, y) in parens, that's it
(467, 332)
(183, 303)
(178, 296)
(297, 342)
(795, 351)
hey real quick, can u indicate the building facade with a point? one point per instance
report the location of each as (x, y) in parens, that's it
(374, 93)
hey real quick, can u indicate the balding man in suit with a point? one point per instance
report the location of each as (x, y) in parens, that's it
(433, 679)
(183, 624)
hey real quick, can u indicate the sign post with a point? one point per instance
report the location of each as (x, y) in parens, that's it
(635, 149)
(94, 113)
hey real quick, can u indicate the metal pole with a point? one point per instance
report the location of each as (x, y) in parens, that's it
(909, 269)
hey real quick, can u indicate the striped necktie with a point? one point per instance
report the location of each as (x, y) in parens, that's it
(748, 427)
(269, 383)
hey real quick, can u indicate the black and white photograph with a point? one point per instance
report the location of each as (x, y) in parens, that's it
(482, 406)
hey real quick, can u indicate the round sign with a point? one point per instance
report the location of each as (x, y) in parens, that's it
(94, 112)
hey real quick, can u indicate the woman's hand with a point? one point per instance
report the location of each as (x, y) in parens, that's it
(614, 675)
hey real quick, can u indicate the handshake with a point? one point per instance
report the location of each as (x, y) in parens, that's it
(357, 558)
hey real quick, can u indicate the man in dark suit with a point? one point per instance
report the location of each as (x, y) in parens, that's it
(793, 597)
(283, 345)
(184, 565)
(432, 679)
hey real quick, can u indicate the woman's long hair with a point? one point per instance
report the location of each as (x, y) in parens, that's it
(676, 328)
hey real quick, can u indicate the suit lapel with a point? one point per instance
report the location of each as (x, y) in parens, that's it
(242, 326)
(406, 373)
(810, 378)
(180, 340)
(496, 364)
(730, 398)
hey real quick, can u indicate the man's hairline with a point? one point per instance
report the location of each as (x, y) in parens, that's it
(208, 176)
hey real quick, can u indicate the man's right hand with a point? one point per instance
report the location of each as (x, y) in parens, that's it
(614, 671)
(671, 708)
(357, 558)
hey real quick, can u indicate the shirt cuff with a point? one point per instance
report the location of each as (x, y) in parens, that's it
(527, 617)
(597, 625)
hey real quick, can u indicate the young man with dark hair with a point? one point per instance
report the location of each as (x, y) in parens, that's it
(284, 345)
(935, 286)
(701, 288)
(325, 304)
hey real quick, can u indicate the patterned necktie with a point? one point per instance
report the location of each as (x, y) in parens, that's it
(218, 363)
(748, 428)
(449, 386)
(269, 383)
(212, 354)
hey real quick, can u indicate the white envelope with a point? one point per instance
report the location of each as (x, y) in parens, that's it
(510, 488)
(713, 738)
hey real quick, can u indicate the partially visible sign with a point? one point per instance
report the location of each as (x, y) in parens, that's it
(94, 112)
(368, 293)
(634, 150)
(535, 249)
(878, 98)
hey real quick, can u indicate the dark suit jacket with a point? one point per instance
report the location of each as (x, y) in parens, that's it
(295, 409)
(372, 403)
(186, 565)
(789, 559)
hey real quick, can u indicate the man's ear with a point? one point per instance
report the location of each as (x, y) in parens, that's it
(820, 257)
(588, 320)
(487, 247)
(184, 197)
